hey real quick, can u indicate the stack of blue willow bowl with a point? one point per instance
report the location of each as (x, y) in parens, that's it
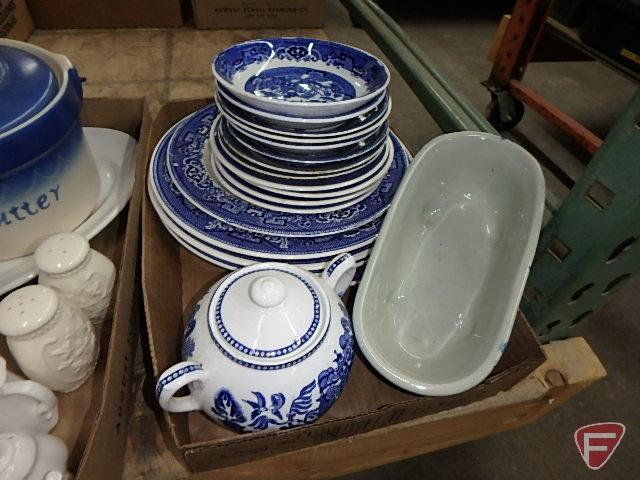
(294, 162)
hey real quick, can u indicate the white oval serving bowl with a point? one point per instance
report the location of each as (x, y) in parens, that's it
(437, 302)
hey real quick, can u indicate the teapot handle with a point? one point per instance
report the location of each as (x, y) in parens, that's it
(340, 272)
(172, 380)
(47, 402)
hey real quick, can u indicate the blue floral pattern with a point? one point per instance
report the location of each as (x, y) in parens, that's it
(299, 84)
(222, 232)
(188, 343)
(313, 400)
(188, 172)
(297, 50)
(227, 410)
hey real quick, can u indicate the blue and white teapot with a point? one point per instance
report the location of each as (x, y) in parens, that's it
(269, 347)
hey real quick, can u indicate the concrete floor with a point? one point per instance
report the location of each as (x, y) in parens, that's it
(457, 37)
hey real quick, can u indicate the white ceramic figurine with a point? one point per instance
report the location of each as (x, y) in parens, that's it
(24, 456)
(25, 404)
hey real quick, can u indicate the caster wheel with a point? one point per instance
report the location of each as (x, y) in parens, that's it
(494, 114)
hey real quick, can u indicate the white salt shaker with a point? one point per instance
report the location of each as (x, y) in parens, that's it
(24, 456)
(51, 340)
(81, 275)
(25, 405)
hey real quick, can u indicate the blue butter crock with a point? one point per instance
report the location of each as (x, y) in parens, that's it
(48, 177)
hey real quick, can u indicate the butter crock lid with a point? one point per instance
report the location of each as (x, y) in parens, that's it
(18, 452)
(27, 86)
(269, 315)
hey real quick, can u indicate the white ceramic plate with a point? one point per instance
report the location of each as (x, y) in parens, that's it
(440, 293)
(114, 154)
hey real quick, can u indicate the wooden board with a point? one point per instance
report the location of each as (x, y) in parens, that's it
(571, 366)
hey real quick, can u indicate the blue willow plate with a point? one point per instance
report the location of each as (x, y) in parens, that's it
(186, 239)
(360, 122)
(330, 154)
(234, 266)
(258, 176)
(217, 233)
(185, 158)
(297, 167)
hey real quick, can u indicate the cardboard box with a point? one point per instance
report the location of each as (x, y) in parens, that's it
(259, 13)
(173, 280)
(49, 14)
(15, 20)
(94, 418)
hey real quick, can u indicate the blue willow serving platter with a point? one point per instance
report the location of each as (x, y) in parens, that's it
(218, 233)
(185, 159)
(215, 253)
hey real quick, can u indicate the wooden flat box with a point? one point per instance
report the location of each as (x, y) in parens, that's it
(58, 14)
(94, 418)
(173, 281)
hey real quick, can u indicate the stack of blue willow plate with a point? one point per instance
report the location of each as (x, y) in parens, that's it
(294, 163)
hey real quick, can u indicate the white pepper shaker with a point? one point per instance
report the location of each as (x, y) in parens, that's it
(51, 340)
(24, 456)
(81, 275)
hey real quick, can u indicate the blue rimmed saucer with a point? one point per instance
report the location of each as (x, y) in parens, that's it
(185, 158)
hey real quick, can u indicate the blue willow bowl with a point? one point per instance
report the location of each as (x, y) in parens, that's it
(302, 77)
(269, 347)
(48, 178)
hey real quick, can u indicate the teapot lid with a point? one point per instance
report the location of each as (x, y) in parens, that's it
(269, 315)
(17, 455)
